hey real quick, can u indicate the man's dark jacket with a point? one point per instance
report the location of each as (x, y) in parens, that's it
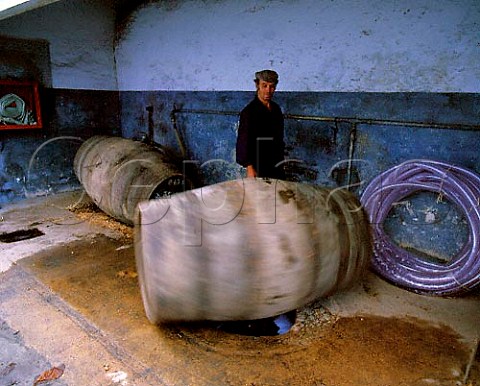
(260, 139)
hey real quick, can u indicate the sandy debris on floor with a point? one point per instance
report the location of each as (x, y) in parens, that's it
(90, 212)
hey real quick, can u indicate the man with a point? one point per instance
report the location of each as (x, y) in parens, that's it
(260, 148)
(260, 144)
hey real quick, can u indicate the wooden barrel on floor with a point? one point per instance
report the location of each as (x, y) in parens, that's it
(118, 173)
(247, 249)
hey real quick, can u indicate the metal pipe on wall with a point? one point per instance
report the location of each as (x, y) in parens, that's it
(432, 125)
(353, 131)
(177, 133)
(351, 152)
(369, 121)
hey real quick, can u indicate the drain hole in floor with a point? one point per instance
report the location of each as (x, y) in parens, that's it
(20, 235)
(276, 325)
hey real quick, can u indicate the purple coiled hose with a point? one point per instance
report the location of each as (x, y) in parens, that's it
(461, 187)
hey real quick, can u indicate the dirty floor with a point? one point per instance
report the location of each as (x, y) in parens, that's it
(70, 297)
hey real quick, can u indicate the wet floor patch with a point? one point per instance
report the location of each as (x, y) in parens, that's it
(20, 235)
(97, 277)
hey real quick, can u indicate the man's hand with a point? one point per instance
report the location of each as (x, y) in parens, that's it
(251, 172)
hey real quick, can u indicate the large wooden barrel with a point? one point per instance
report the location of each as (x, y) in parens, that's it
(247, 249)
(118, 173)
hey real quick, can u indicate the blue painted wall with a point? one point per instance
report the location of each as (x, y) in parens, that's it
(320, 151)
(40, 162)
(322, 147)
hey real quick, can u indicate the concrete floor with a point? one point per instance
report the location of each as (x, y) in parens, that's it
(70, 297)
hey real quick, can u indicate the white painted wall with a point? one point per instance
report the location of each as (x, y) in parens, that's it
(81, 35)
(315, 45)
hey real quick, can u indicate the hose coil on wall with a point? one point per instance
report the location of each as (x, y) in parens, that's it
(13, 111)
(462, 188)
